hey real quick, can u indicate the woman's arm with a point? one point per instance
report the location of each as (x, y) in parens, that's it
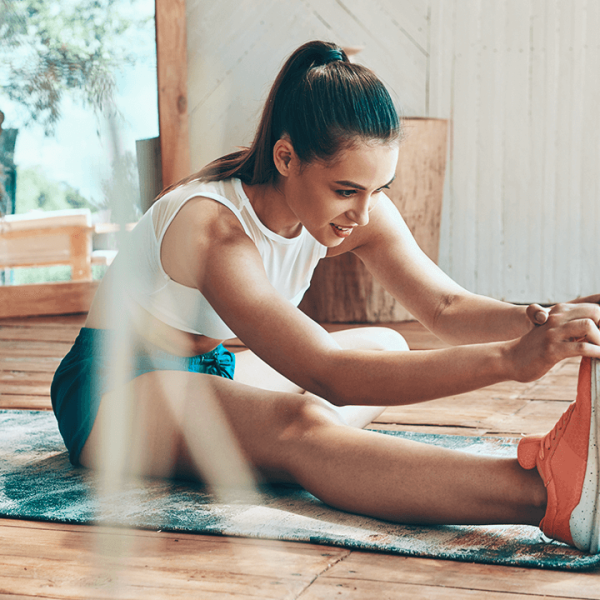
(231, 275)
(455, 315)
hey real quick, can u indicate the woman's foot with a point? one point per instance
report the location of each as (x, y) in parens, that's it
(568, 460)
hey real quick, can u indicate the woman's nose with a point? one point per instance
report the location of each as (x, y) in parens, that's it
(359, 213)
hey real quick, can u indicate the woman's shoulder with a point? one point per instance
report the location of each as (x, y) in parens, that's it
(195, 187)
(200, 230)
(210, 210)
(181, 198)
(227, 192)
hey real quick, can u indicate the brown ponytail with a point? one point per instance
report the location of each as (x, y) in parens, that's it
(324, 103)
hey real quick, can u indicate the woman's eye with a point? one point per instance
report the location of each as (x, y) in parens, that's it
(346, 193)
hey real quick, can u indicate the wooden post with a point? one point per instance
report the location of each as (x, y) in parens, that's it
(171, 61)
(81, 255)
(342, 290)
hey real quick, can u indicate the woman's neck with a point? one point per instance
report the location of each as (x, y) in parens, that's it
(269, 204)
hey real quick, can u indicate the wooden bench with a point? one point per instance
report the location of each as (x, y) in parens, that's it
(62, 237)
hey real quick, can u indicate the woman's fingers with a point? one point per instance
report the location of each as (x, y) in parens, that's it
(570, 330)
(581, 330)
(581, 347)
(561, 313)
(537, 314)
(594, 299)
(578, 309)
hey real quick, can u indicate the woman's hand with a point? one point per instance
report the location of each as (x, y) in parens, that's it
(569, 329)
(538, 314)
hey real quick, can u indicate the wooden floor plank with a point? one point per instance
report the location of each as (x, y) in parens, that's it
(64, 562)
(458, 575)
(343, 589)
(29, 364)
(54, 334)
(76, 320)
(557, 386)
(14, 348)
(30, 389)
(25, 378)
(24, 402)
(537, 416)
(475, 410)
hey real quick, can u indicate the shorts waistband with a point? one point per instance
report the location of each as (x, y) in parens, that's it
(94, 339)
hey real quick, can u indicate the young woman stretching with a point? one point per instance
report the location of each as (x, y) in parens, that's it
(230, 252)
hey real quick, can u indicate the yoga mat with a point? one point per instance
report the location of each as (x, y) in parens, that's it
(38, 482)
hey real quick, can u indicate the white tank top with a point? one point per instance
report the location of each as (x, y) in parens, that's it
(289, 263)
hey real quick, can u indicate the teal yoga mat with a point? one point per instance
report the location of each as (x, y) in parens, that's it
(38, 482)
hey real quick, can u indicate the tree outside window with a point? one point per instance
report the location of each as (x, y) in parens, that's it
(57, 49)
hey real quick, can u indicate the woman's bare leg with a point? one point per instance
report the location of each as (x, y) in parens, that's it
(250, 369)
(293, 437)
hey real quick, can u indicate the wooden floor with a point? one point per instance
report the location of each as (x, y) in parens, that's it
(44, 560)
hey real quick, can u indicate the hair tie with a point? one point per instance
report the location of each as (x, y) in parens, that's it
(333, 55)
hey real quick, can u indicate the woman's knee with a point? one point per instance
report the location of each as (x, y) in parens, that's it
(292, 423)
(388, 339)
(371, 338)
(306, 414)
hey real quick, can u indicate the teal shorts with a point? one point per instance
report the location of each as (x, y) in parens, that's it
(82, 378)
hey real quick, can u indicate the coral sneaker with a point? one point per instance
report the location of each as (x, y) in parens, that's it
(568, 460)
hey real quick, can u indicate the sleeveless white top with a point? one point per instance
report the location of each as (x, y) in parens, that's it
(289, 263)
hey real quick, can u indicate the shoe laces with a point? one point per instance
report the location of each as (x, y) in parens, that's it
(556, 430)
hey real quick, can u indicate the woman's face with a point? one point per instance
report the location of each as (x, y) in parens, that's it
(332, 199)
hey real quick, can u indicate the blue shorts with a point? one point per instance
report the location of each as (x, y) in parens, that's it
(82, 378)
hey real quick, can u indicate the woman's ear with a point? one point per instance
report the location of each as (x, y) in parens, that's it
(284, 156)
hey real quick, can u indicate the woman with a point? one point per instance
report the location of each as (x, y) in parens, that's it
(230, 251)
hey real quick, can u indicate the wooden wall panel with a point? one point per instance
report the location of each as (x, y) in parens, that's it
(489, 180)
(590, 160)
(519, 80)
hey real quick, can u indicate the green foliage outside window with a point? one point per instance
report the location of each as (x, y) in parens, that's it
(51, 47)
(37, 191)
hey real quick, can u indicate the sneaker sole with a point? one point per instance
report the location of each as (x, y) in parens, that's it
(585, 518)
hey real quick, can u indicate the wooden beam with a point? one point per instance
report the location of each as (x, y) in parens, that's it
(46, 298)
(171, 59)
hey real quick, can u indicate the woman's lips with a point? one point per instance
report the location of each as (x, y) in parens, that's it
(340, 231)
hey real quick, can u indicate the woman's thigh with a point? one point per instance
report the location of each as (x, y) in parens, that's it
(175, 423)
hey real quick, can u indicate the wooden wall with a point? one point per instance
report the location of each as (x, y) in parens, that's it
(518, 79)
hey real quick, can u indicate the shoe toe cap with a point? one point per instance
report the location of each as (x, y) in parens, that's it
(528, 451)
